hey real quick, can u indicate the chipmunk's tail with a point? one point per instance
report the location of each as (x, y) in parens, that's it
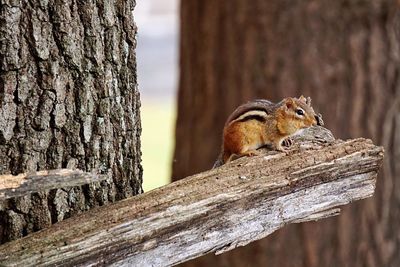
(219, 161)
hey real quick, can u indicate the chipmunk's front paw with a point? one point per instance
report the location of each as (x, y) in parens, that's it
(281, 148)
(287, 142)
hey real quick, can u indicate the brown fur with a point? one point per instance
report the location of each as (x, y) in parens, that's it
(243, 136)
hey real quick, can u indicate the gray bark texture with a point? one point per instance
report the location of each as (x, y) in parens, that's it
(68, 99)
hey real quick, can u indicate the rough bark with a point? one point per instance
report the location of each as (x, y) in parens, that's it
(214, 211)
(68, 99)
(346, 56)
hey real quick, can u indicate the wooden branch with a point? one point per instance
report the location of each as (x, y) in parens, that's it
(214, 211)
(26, 183)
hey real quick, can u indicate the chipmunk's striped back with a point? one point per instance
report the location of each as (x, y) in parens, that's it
(257, 109)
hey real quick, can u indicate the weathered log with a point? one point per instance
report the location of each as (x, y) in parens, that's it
(213, 211)
(27, 183)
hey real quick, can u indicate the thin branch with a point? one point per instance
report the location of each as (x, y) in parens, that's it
(27, 183)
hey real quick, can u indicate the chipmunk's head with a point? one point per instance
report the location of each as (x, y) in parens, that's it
(295, 114)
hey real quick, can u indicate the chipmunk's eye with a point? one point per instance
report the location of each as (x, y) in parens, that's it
(299, 112)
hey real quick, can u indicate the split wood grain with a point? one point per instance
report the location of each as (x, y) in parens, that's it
(27, 183)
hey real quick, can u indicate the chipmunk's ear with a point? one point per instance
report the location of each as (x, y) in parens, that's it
(303, 99)
(308, 101)
(289, 103)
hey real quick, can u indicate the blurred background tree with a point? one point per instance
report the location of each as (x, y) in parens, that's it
(345, 55)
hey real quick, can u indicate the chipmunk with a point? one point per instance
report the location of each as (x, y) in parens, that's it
(260, 122)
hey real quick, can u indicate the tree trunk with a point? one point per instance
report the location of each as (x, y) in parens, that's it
(346, 56)
(68, 99)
